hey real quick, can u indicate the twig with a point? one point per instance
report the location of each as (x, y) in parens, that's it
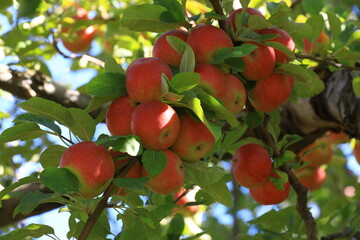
(327, 61)
(184, 193)
(218, 10)
(341, 235)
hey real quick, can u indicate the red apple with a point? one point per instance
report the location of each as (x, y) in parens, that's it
(260, 63)
(250, 11)
(337, 137)
(169, 180)
(187, 198)
(212, 80)
(93, 166)
(356, 151)
(134, 172)
(252, 165)
(312, 178)
(206, 40)
(118, 116)
(235, 96)
(310, 47)
(163, 50)
(320, 153)
(283, 38)
(269, 194)
(156, 123)
(270, 93)
(194, 140)
(143, 79)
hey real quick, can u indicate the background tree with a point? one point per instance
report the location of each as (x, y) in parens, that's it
(45, 119)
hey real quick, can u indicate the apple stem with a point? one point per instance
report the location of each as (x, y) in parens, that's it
(103, 203)
(218, 10)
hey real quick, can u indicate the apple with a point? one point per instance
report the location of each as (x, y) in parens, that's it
(212, 79)
(235, 96)
(156, 123)
(182, 201)
(163, 50)
(259, 63)
(269, 194)
(171, 178)
(356, 151)
(337, 137)
(194, 140)
(93, 166)
(79, 40)
(252, 165)
(312, 178)
(310, 47)
(270, 93)
(316, 153)
(143, 79)
(118, 115)
(206, 40)
(283, 38)
(249, 11)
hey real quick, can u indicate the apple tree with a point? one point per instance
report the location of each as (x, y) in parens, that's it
(189, 105)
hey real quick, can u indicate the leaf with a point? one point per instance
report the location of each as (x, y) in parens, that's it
(185, 81)
(174, 9)
(32, 230)
(254, 118)
(298, 71)
(334, 23)
(27, 8)
(135, 184)
(187, 63)
(112, 66)
(312, 7)
(273, 125)
(287, 140)
(50, 157)
(356, 85)
(233, 52)
(220, 192)
(281, 47)
(201, 174)
(50, 178)
(176, 227)
(287, 156)
(82, 124)
(30, 201)
(30, 117)
(97, 101)
(176, 43)
(154, 162)
(107, 84)
(128, 144)
(258, 22)
(233, 135)
(317, 23)
(21, 131)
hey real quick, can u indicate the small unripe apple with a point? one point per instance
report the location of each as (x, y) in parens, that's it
(260, 63)
(270, 93)
(320, 153)
(194, 140)
(156, 123)
(206, 40)
(212, 80)
(235, 97)
(250, 11)
(312, 178)
(269, 194)
(118, 115)
(163, 50)
(252, 165)
(283, 38)
(93, 166)
(188, 197)
(171, 178)
(143, 79)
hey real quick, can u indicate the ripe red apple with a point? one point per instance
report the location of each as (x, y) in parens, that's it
(212, 80)
(188, 197)
(206, 40)
(284, 39)
(250, 11)
(156, 123)
(269, 194)
(270, 93)
(194, 140)
(134, 172)
(118, 115)
(93, 166)
(235, 96)
(321, 154)
(312, 178)
(252, 165)
(171, 179)
(260, 63)
(337, 137)
(163, 50)
(79, 40)
(310, 47)
(143, 79)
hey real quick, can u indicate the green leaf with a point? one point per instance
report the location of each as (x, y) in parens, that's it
(312, 6)
(287, 140)
(32, 230)
(154, 162)
(281, 47)
(176, 227)
(175, 10)
(300, 72)
(21, 131)
(317, 23)
(30, 201)
(128, 144)
(51, 156)
(310, 88)
(15, 185)
(97, 101)
(335, 24)
(147, 17)
(233, 135)
(176, 43)
(81, 124)
(258, 22)
(4, 115)
(201, 174)
(254, 118)
(287, 156)
(356, 85)
(233, 52)
(220, 192)
(107, 84)
(50, 178)
(30, 117)
(135, 184)
(187, 63)
(185, 81)
(273, 125)
(112, 66)
(27, 8)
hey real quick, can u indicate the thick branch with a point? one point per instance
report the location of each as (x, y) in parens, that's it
(219, 10)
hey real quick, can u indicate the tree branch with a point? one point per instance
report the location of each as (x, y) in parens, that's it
(219, 10)
(342, 235)
(327, 61)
